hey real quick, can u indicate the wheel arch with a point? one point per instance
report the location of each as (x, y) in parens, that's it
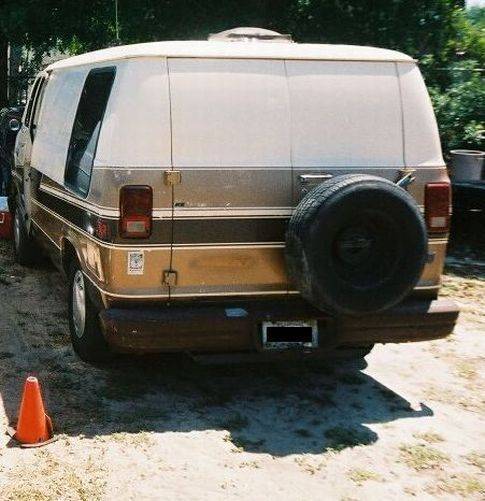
(68, 254)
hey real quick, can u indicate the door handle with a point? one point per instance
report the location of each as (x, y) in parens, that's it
(309, 181)
(305, 178)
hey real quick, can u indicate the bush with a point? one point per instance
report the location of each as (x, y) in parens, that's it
(459, 109)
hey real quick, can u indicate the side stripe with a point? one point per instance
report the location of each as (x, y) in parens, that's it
(200, 232)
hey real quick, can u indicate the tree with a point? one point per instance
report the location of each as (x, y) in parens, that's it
(43, 25)
(448, 41)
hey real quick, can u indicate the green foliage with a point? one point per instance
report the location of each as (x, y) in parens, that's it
(413, 26)
(460, 111)
(448, 41)
(458, 89)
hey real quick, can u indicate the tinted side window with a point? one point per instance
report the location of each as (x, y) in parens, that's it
(32, 97)
(37, 107)
(86, 127)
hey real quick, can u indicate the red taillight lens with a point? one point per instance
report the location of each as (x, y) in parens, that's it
(136, 204)
(437, 207)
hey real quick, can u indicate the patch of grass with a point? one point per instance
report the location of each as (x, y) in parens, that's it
(242, 443)
(306, 464)
(339, 438)
(476, 459)
(250, 464)
(235, 422)
(470, 401)
(141, 440)
(359, 476)
(430, 437)
(44, 477)
(459, 485)
(466, 370)
(247, 443)
(422, 457)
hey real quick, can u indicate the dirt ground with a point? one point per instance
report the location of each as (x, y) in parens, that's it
(410, 424)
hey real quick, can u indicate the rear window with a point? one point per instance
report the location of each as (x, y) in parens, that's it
(85, 131)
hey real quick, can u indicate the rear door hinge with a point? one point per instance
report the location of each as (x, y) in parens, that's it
(172, 177)
(406, 177)
(170, 278)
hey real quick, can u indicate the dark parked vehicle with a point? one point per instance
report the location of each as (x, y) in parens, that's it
(10, 119)
(468, 181)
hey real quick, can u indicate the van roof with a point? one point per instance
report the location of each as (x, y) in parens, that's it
(219, 49)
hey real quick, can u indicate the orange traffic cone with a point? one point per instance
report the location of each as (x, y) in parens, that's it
(34, 426)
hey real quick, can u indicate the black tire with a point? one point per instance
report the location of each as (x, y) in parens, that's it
(356, 244)
(25, 249)
(87, 339)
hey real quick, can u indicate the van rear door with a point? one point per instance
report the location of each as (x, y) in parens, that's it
(232, 176)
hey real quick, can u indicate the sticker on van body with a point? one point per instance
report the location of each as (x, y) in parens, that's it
(136, 263)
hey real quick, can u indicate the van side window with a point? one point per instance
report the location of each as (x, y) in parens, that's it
(37, 106)
(86, 128)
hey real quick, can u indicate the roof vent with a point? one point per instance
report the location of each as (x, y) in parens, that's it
(250, 35)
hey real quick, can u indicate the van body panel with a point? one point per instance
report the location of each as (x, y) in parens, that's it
(222, 108)
(421, 137)
(220, 111)
(335, 104)
(233, 270)
(114, 177)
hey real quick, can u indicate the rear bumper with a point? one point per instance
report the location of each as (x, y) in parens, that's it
(234, 326)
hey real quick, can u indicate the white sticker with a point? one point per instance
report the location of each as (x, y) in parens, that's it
(136, 263)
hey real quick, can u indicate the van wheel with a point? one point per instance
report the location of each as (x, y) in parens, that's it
(24, 246)
(356, 244)
(86, 336)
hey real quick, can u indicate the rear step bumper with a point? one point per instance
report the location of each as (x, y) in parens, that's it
(235, 326)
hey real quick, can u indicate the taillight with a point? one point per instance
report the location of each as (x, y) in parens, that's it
(437, 207)
(136, 204)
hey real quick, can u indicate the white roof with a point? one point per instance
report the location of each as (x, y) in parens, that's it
(218, 49)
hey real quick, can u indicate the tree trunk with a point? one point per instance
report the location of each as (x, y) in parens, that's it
(3, 71)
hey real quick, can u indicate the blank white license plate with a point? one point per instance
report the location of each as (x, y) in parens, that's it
(285, 335)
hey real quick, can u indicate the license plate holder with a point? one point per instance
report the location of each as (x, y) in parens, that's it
(289, 334)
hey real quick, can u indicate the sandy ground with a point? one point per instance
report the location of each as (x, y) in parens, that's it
(408, 425)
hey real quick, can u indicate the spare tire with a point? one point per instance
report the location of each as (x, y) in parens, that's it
(356, 244)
